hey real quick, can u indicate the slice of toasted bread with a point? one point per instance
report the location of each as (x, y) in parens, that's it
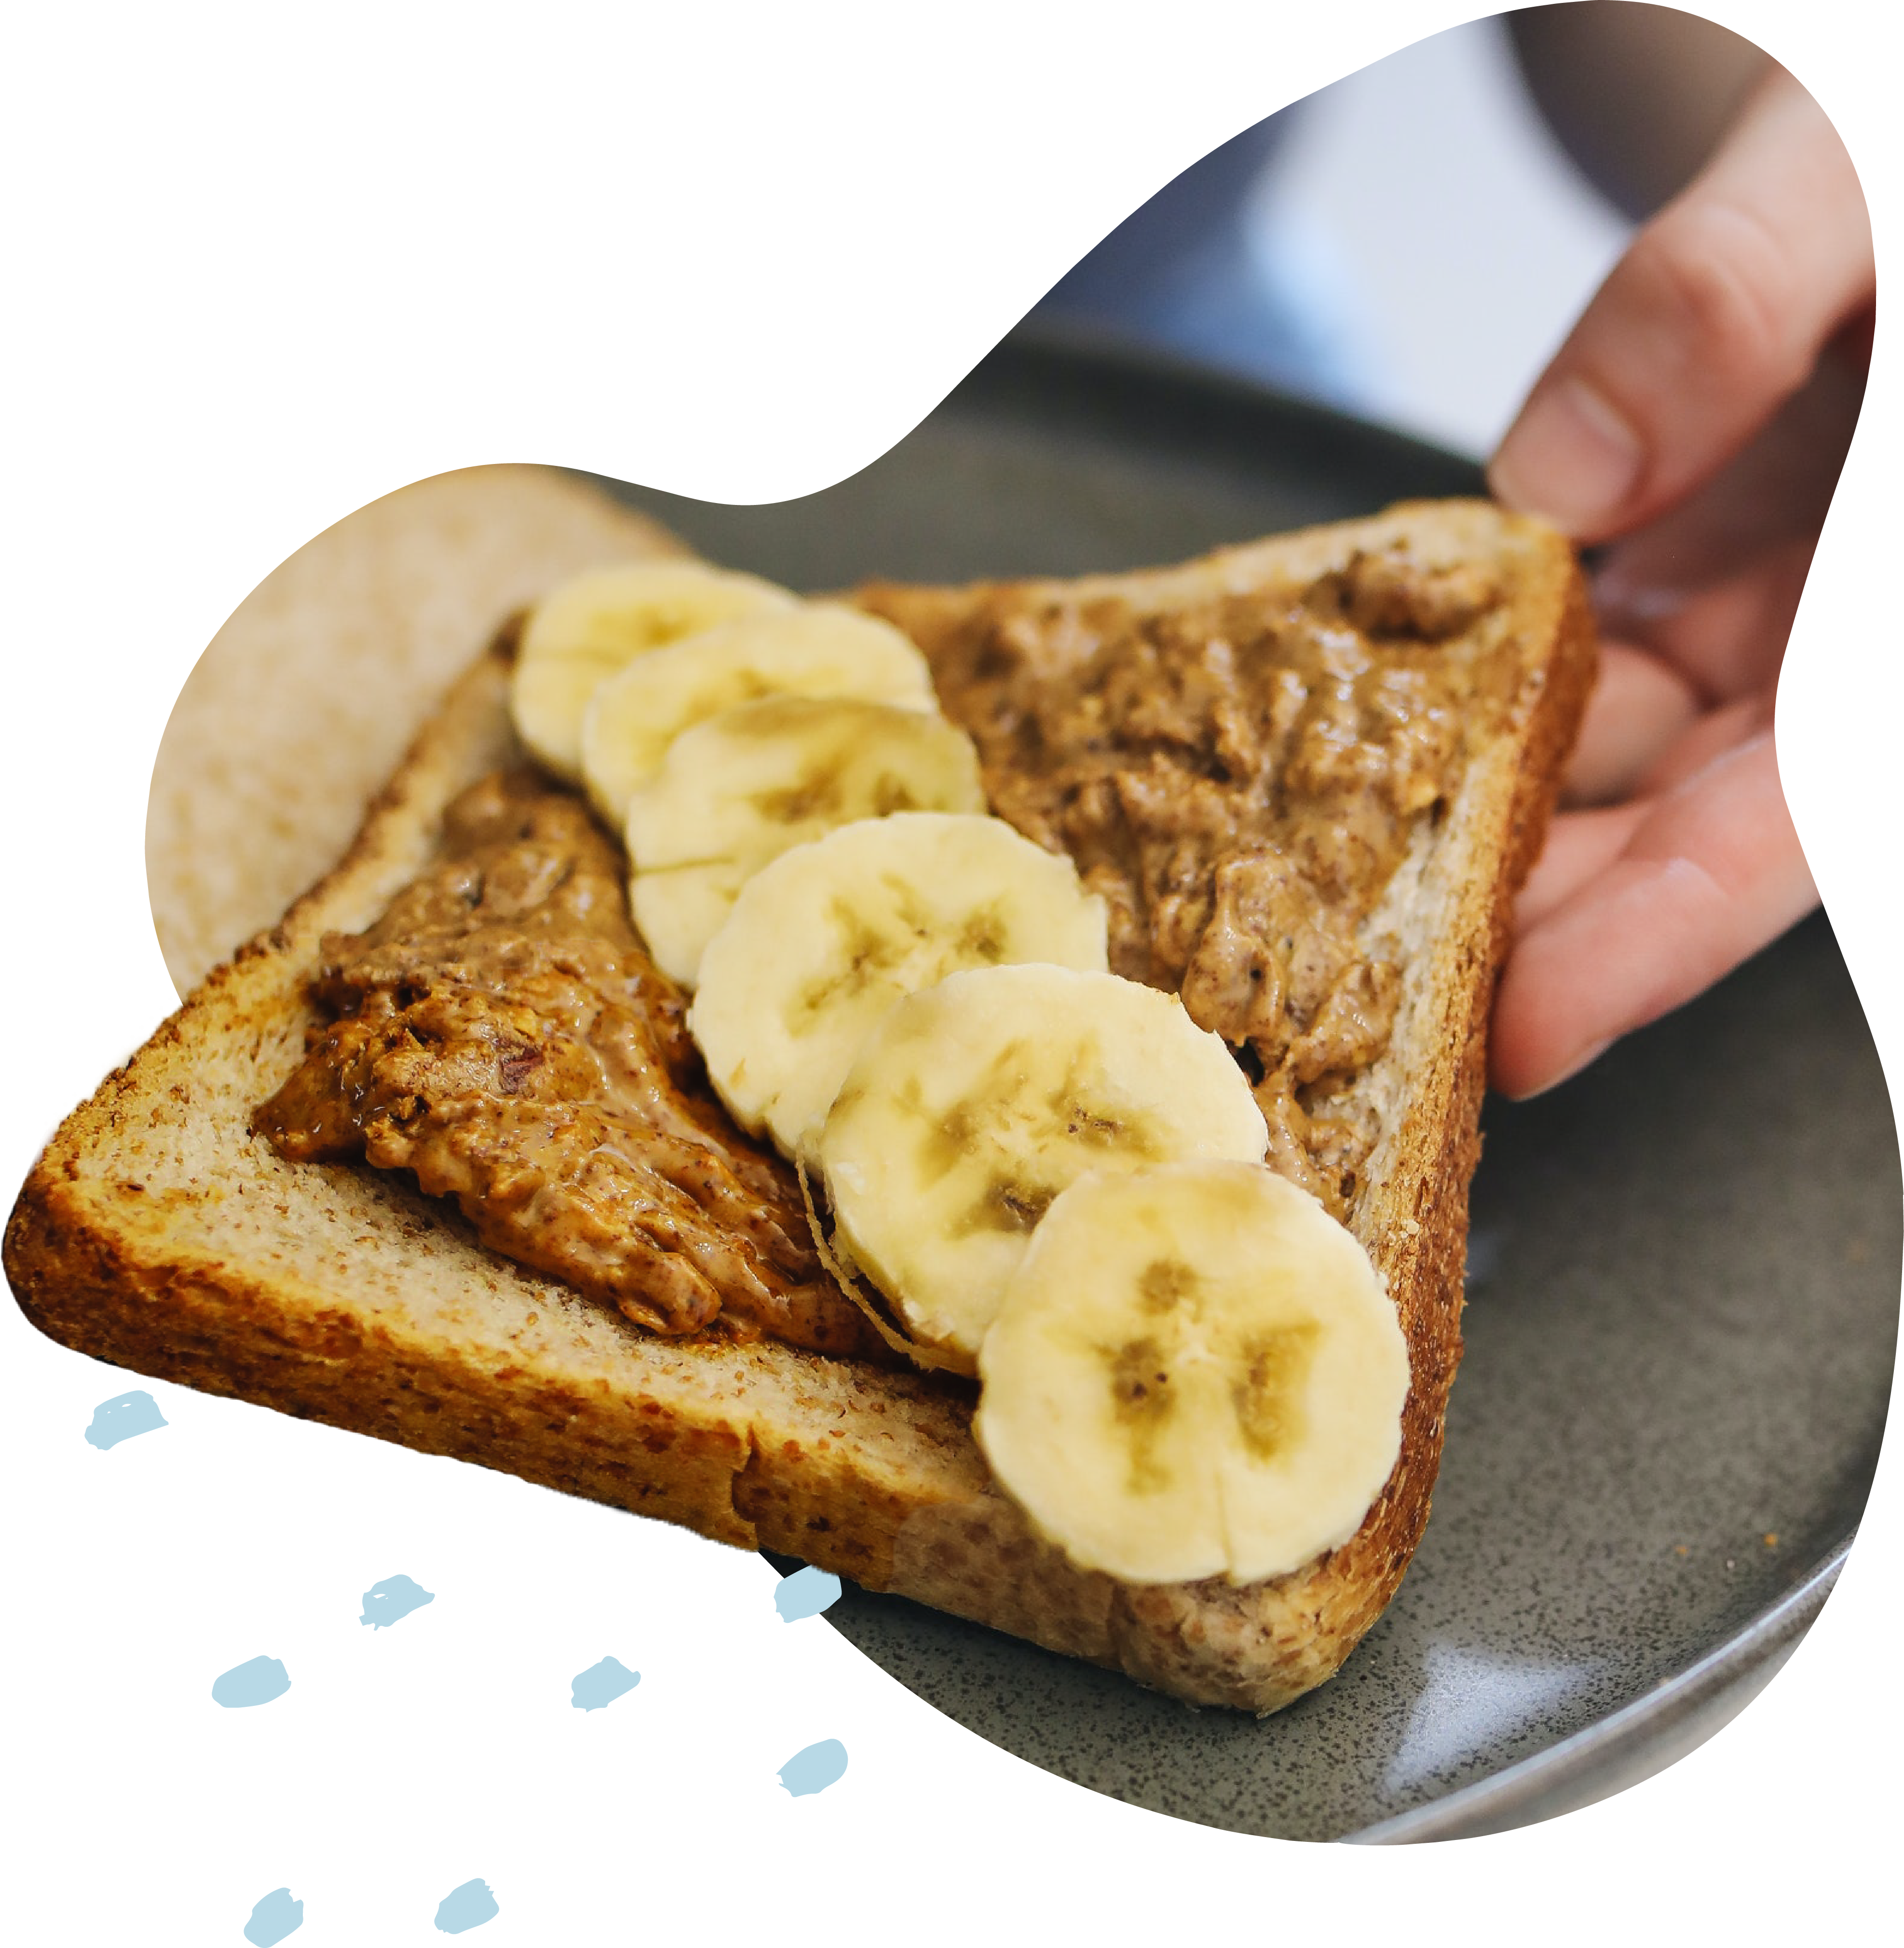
(158, 1232)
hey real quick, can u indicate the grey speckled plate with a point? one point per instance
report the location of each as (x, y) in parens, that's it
(1683, 1298)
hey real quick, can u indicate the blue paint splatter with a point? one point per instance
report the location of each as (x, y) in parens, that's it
(815, 1769)
(466, 1907)
(601, 1684)
(256, 1682)
(274, 1917)
(805, 1593)
(123, 1417)
(392, 1600)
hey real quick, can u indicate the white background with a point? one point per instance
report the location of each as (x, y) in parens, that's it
(263, 267)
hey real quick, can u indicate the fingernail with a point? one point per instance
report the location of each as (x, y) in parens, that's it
(1569, 457)
(1588, 1056)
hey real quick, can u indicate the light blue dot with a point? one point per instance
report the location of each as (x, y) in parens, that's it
(815, 1768)
(392, 1600)
(123, 1417)
(805, 1593)
(466, 1907)
(274, 1917)
(601, 1684)
(256, 1682)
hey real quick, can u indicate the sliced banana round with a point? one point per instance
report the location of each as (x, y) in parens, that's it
(585, 631)
(823, 942)
(743, 787)
(820, 649)
(1194, 1372)
(971, 1106)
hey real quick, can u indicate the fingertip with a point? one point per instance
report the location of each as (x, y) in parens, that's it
(1524, 1088)
(1641, 705)
(1571, 458)
(1711, 873)
(1580, 845)
(1640, 936)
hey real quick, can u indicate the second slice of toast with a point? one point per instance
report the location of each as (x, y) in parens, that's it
(158, 1232)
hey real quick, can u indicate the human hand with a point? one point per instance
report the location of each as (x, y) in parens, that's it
(1696, 419)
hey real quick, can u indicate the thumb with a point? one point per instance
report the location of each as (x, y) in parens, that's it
(1714, 317)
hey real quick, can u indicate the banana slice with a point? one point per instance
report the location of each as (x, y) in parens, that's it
(818, 650)
(970, 1107)
(823, 942)
(583, 632)
(741, 789)
(1194, 1372)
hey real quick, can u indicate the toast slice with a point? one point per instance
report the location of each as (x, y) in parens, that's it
(157, 1233)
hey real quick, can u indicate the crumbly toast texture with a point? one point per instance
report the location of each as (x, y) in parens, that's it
(157, 1233)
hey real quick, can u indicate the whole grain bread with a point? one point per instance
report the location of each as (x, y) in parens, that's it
(157, 1233)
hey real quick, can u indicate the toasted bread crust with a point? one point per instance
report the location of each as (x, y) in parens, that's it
(157, 1233)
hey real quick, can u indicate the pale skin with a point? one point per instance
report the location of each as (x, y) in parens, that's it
(1693, 423)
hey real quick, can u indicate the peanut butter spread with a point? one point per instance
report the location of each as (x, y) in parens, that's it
(1240, 780)
(501, 1033)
